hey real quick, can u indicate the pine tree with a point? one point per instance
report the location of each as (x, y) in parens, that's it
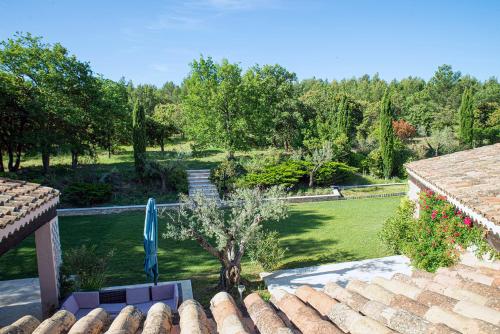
(466, 112)
(386, 135)
(139, 138)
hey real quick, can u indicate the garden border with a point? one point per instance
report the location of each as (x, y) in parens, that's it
(126, 208)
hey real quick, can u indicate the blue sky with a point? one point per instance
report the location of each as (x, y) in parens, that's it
(154, 41)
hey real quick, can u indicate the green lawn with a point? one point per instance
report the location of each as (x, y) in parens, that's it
(314, 233)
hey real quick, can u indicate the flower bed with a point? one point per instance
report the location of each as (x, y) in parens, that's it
(437, 237)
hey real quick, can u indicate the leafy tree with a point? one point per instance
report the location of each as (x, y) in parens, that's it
(403, 129)
(441, 141)
(226, 234)
(15, 117)
(62, 90)
(318, 157)
(466, 113)
(274, 107)
(164, 122)
(387, 135)
(139, 138)
(116, 123)
(214, 105)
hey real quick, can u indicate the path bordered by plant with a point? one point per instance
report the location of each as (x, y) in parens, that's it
(314, 233)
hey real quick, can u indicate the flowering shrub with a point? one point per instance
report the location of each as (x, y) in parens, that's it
(435, 239)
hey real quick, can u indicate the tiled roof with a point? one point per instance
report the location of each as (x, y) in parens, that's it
(461, 299)
(471, 177)
(19, 199)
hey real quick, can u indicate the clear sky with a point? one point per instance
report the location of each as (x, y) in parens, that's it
(154, 41)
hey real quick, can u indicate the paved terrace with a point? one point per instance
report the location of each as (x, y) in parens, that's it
(341, 273)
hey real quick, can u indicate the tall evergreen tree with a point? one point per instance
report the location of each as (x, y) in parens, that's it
(343, 117)
(466, 113)
(386, 135)
(139, 137)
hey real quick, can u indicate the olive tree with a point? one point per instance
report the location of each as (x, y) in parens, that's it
(225, 231)
(317, 158)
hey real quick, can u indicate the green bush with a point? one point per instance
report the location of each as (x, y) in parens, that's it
(333, 173)
(84, 269)
(86, 194)
(267, 251)
(395, 232)
(225, 175)
(288, 174)
(171, 174)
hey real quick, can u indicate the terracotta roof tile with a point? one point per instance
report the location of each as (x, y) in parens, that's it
(471, 177)
(404, 304)
(19, 198)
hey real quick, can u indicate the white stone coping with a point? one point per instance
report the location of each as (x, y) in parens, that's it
(340, 273)
(468, 211)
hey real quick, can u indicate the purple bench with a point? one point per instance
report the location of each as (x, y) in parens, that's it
(81, 303)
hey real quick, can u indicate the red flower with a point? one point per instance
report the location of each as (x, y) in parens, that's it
(434, 214)
(468, 221)
(458, 213)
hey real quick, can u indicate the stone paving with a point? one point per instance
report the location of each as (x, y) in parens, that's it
(18, 298)
(340, 273)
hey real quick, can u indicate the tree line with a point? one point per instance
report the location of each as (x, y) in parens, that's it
(52, 102)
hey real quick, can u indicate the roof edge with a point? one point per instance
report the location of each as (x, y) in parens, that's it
(477, 216)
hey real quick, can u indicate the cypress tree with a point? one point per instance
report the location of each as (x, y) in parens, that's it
(139, 137)
(386, 135)
(343, 117)
(466, 113)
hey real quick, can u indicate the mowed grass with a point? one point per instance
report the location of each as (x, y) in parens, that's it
(314, 233)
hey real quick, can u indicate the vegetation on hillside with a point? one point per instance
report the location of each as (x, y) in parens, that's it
(52, 104)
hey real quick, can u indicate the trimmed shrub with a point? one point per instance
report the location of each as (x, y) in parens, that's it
(334, 173)
(287, 174)
(86, 194)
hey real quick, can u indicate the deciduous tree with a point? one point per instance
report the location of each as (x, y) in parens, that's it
(214, 105)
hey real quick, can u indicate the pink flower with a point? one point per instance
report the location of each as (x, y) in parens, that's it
(434, 214)
(468, 221)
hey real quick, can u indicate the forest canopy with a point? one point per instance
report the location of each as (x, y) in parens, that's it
(53, 102)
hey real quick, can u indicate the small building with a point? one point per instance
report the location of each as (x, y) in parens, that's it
(470, 180)
(27, 208)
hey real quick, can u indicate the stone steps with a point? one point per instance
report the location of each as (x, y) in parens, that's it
(199, 182)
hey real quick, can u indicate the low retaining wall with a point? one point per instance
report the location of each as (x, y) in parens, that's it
(292, 199)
